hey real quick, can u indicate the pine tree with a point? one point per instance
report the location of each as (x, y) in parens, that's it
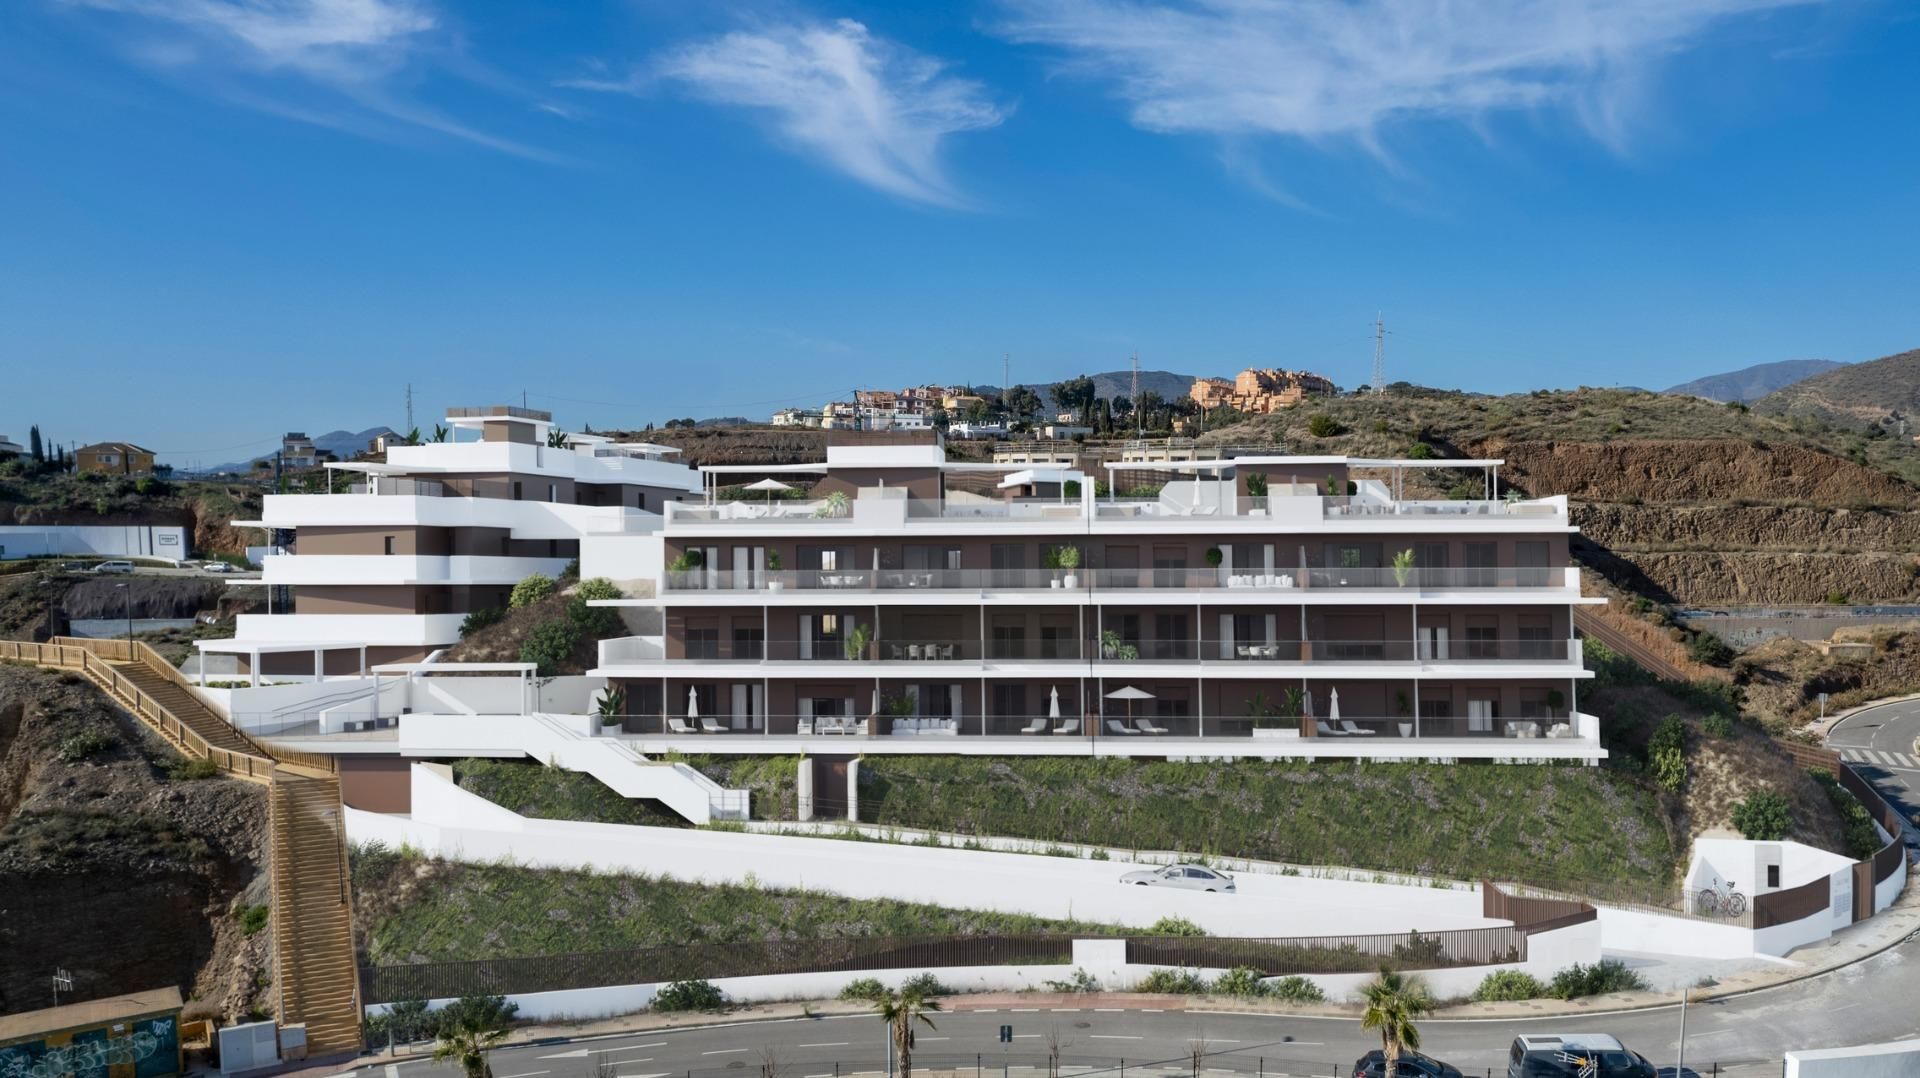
(37, 450)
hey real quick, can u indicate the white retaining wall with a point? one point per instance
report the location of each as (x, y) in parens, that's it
(1899, 1059)
(107, 540)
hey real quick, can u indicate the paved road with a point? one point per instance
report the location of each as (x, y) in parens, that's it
(1867, 1002)
(1879, 741)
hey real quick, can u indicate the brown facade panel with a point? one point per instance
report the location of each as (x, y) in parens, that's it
(376, 783)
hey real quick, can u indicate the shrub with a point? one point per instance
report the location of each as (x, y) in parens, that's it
(1419, 451)
(1667, 753)
(1717, 726)
(194, 770)
(1763, 816)
(1173, 982)
(253, 918)
(595, 621)
(863, 990)
(1175, 926)
(1508, 985)
(689, 996)
(926, 984)
(1240, 981)
(77, 747)
(598, 587)
(1604, 976)
(1295, 990)
(550, 645)
(1856, 824)
(1322, 425)
(475, 1014)
(1837, 598)
(1081, 981)
(479, 619)
(1709, 649)
(530, 591)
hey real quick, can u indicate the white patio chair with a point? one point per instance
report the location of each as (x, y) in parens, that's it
(679, 726)
(913, 651)
(1114, 726)
(1320, 727)
(712, 726)
(1070, 726)
(1147, 727)
(1347, 726)
(1035, 727)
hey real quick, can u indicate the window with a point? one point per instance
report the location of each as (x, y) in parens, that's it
(553, 492)
(1171, 637)
(1010, 641)
(1436, 709)
(388, 545)
(1531, 557)
(702, 642)
(516, 490)
(1482, 560)
(1773, 877)
(749, 642)
(639, 499)
(1009, 700)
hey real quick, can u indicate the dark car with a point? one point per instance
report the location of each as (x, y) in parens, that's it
(1412, 1065)
(1575, 1055)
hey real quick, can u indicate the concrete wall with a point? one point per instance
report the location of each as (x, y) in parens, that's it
(107, 540)
(1899, 1059)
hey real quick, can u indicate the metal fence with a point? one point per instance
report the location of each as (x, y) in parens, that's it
(1335, 954)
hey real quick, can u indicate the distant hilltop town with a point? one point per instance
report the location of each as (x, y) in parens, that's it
(1063, 410)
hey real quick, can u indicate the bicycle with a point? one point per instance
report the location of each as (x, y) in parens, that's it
(1720, 902)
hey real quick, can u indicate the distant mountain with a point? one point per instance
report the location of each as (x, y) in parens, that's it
(1751, 383)
(1857, 393)
(343, 444)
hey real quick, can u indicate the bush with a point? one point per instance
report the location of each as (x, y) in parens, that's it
(253, 918)
(1295, 990)
(1508, 985)
(863, 990)
(1861, 839)
(194, 770)
(1240, 981)
(77, 747)
(598, 587)
(1763, 816)
(476, 1014)
(1419, 451)
(1322, 425)
(530, 591)
(1173, 982)
(594, 621)
(550, 645)
(479, 619)
(1717, 726)
(1604, 976)
(1837, 598)
(689, 996)
(1709, 649)
(926, 984)
(1175, 926)
(1667, 753)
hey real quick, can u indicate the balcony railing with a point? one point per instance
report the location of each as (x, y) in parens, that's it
(892, 649)
(418, 488)
(980, 580)
(1141, 725)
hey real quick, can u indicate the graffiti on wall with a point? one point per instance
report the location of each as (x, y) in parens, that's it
(143, 1049)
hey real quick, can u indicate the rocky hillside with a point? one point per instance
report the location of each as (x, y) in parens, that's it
(37, 605)
(208, 509)
(118, 866)
(1860, 394)
(1752, 383)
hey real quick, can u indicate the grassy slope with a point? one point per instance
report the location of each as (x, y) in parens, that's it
(552, 793)
(1543, 824)
(431, 911)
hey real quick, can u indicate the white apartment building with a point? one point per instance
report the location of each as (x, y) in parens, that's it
(387, 571)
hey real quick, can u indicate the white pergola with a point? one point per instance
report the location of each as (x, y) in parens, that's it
(409, 671)
(254, 649)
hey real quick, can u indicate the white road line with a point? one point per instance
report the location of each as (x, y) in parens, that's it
(919, 1039)
(1111, 1010)
(525, 1074)
(1066, 1010)
(826, 1044)
(393, 1070)
(1024, 1010)
(725, 1051)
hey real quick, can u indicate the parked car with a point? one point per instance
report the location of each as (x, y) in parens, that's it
(1412, 1065)
(114, 567)
(217, 567)
(1191, 877)
(1575, 1055)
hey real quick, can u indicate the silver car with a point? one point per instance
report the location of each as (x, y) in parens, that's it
(1190, 877)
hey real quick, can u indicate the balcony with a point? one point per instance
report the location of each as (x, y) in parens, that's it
(1087, 580)
(1204, 505)
(1111, 659)
(400, 569)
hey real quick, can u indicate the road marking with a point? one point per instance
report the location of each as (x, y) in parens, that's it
(1111, 1010)
(1024, 1010)
(918, 1039)
(393, 1070)
(1023, 1036)
(525, 1074)
(1066, 1010)
(725, 1051)
(578, 1053)
(826, 1044)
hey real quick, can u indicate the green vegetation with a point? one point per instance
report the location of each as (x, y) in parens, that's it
(87, 743)
(550, 645)
(1763, 816)
(480, 619)
(1173, 982)
(1540, 824)
(689, 996)
(863, 989)
(1708, 649)
(1862, 840)
(438, 911)
(193, 769)
(530, 591)
(554, 793)
(1322, 425)
(1667, 753)
(598, 587)
(1294, 990)
(1605, 976)
(253, 918)
(1507, 986)
(773, 780)
(1716, 726)
(1175, 926)
(1394, 1002)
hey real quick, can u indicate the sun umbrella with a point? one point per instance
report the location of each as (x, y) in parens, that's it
(693, 703)
(1053, 703)
(769, 485)
(1129, 694)
(1333, 705)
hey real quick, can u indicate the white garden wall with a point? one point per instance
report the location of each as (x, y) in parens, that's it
(1898, 1059)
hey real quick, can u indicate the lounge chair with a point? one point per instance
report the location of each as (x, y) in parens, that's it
(1114, 726)
(1071, 726)
(1347, 726)
(679, 726)
(711, 726)
(1037, 726)
(1146, 726)
(1320, 727)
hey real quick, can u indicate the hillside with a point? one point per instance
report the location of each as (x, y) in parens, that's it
(207, 508)
(1110, 384)
(343, 444)
(1857, 395)
(1751, 383)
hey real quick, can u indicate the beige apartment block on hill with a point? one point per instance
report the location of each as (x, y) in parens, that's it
(1259, 390)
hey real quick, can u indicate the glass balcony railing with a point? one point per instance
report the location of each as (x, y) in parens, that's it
(1025, 648)
(1144, 723)
(980, 580)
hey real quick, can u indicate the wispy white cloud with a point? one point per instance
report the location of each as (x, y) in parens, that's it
(867, 106)
(1346, 69)
(256, 51)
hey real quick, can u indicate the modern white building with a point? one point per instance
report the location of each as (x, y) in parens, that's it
(387, 570)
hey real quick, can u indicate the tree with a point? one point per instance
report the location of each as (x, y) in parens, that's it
(1020, 403)
(35, 448)
(1393, 1001)
(467, 1043)
(977, 412)
(900, 1010)
(1763, 816)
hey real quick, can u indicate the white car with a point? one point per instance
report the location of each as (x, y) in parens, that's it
(1190, 877)
(217, 567)
(114, 567)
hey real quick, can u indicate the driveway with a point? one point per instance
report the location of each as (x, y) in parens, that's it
(1878, 741)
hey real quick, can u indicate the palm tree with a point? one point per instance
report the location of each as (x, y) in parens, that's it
(1393, 1001)
(900, 1010)
(468, 1047)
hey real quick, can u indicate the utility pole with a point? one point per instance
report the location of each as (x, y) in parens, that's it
(1137, 420)
(409, 405)
(1379, 353)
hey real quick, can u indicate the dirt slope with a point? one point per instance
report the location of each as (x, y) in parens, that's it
(1862, 393)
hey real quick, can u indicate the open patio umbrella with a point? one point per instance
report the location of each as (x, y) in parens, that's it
(693, 703)
(769, 485)
(1129, 694)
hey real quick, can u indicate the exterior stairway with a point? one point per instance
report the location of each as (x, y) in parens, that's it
(317, 977)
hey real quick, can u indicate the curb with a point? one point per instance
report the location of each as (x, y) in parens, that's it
(1824, 727)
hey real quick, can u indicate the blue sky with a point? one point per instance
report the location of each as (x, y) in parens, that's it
(222, 219)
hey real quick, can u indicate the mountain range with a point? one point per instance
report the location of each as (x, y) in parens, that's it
(1749, 384)
(1868, 392)
(343, 444)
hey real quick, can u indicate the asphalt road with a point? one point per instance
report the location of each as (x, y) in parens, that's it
(1879, 742)
(1868, 1002)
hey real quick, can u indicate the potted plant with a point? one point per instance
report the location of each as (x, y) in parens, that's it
(612, 706)
(773, 566)
(1555, 701)
(1112, 647)
(1403, 567)
(1269, 721)
(859, 637)
(689, 560)
(1214, 557)
(833, 505)
(1070, 561)
(1050, 561)
(1333, 487)
(1257, 485)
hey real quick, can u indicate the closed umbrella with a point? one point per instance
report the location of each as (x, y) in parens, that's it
(1333, 706)
(1053, 703)
(693, 703)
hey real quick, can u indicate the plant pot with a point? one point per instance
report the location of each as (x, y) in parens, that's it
(1054, 584)
(1071, 581)
(774, 585)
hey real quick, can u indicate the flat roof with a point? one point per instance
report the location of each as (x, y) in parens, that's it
(454, 668)
(274, 647)
(91, 1013)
